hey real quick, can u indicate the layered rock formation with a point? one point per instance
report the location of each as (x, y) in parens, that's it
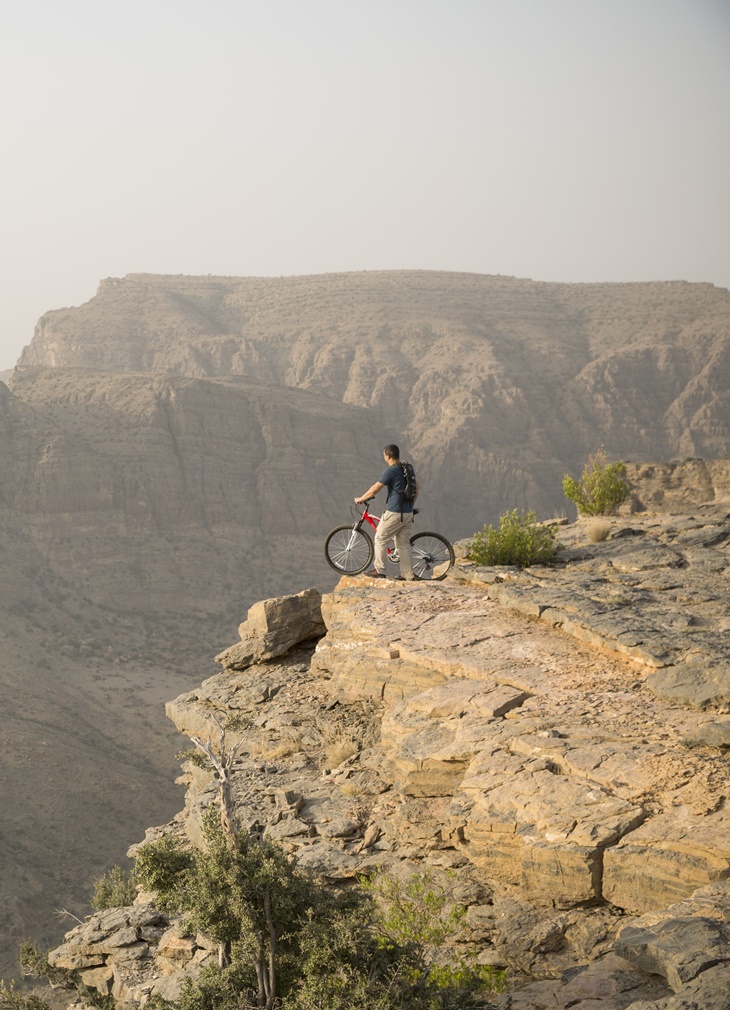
(138, 515)
(169, 494)
(177, 448)
(678, 486)
(495, 385)
(511, 731)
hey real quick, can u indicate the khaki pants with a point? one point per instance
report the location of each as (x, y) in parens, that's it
(392, 527)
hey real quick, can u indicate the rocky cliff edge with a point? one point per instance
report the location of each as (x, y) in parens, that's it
(552, 743)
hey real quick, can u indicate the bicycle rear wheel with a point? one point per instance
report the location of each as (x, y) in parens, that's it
(433, 555)
(347, 550)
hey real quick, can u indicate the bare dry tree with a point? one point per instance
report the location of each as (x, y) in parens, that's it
(222, 759)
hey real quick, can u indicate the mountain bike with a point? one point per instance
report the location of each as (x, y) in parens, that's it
(349, 549)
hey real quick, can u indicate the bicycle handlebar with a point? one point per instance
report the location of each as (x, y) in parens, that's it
(359, 508)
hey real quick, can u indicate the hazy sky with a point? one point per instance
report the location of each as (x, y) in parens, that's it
(566, 140)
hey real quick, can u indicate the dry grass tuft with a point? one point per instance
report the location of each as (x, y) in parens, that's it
(354, 789)
(339, 750)
(598, 531)
(283, 745)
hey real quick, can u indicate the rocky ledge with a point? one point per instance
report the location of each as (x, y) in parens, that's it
(551, 744)
(654, 590)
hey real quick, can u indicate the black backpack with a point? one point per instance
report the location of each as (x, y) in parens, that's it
(409, 474)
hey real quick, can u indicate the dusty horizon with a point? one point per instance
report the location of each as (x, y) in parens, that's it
(569, 143)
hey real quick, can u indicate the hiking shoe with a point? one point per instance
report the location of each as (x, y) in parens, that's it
(375, 574)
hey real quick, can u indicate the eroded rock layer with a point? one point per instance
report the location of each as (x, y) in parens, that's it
(577, 809)
(495, 385)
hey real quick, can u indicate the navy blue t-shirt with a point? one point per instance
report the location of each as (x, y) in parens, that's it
(395, 481)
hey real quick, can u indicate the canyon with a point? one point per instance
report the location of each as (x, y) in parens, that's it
(175, 450)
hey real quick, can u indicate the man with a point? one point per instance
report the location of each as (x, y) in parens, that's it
(396, 520)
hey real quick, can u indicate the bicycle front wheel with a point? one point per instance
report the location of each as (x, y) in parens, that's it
(433, 555)
(347, 550)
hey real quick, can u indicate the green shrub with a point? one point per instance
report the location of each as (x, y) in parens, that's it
(601, 488)
(32, 961)
(518, 541)
(89, 997)
(292, 944)
(160, 866)
(343, 964)
(214, 988)
(414, 913)
(245, 895)
(114, 889)
(417, 919)
(12, 998)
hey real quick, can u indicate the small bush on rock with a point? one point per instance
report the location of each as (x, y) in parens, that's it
(601, 488)
(114, 889)
(34, 963)
(518, 541)
(12, 998)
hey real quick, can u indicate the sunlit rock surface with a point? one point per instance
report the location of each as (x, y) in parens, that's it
(528, 761)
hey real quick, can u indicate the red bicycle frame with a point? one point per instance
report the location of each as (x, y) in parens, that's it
(369, 517)
(374, 522)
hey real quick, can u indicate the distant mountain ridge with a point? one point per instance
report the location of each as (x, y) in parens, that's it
(495, 385)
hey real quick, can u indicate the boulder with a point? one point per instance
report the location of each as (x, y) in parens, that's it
(700, 682)
(715, 733)
(667, 858)
(688, 945)
(709, 991)
(273, 627)
(678, 949)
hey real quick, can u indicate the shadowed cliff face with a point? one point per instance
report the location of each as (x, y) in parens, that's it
(171, 494)
(140, 516)
(497, 386)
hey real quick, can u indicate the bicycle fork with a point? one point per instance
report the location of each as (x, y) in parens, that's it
(353, 533)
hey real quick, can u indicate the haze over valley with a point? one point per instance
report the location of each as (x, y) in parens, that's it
(177, 448)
